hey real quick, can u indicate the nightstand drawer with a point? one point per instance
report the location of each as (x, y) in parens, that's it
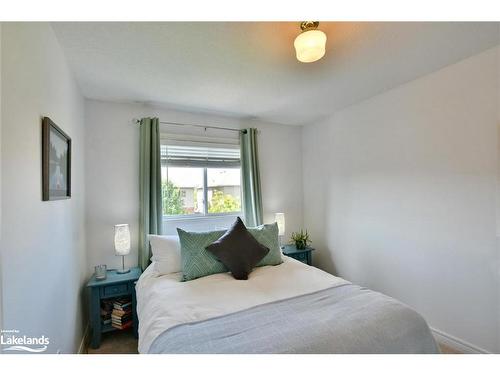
(113, 290)
(300, 256)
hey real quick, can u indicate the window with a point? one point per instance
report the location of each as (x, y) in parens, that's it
(200, 180)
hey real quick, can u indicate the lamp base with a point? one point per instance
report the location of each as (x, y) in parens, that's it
(123, 270)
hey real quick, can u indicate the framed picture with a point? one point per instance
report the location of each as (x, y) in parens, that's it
(56, 162)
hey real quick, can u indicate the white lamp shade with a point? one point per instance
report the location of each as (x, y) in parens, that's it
(310, 45)
(122, 239)
(280, 220)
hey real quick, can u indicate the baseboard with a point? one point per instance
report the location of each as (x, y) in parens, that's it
(82, 349)
(456, 343)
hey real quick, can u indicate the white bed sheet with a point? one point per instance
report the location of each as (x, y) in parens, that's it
(164, 301)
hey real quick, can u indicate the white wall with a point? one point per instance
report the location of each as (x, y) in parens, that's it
(112, 170)
(399, 194)
(43, 243)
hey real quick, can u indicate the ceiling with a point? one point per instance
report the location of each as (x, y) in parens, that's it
(249, 69)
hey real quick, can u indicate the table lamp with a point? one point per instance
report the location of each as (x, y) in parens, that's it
(122, 244)
(280, 220)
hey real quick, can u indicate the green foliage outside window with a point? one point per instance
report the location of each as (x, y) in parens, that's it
(172, 200)
(173, 204)
(223, 203)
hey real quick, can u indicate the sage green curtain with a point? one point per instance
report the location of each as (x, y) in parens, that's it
(150, 220)
(250, 178)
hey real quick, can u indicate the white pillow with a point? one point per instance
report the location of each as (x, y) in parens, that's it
(166, 253)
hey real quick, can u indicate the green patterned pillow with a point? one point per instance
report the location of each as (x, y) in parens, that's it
(195, 260)
(267, 235)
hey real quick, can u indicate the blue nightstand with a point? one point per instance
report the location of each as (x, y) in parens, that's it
(115, 285)
(303, 255)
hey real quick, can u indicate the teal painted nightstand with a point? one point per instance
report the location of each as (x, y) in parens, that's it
(304, 255)
(115, 285)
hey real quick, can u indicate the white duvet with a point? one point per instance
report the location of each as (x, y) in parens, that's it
(165, 301)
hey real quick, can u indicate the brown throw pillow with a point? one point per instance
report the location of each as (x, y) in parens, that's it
(238, 250)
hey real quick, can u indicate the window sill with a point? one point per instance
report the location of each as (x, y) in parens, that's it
(197, 223)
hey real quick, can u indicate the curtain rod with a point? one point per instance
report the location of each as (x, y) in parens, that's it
(137, 121)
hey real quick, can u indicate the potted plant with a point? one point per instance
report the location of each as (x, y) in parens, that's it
(300, 239)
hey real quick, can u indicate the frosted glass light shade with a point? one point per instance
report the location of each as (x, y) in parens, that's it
(310, 45)
(122, 239)
(280, 220)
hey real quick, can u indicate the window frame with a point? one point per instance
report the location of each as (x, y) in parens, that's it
(205, 164)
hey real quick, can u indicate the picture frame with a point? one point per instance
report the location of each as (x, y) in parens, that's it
(56, 162)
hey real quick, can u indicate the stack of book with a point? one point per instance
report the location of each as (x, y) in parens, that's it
(121, 317)
(106, 310)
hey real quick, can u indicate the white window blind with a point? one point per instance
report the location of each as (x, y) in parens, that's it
(200, 156)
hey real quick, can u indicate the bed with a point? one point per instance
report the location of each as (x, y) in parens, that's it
(289, 308)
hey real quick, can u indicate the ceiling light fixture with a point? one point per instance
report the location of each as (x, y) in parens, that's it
(310, 43)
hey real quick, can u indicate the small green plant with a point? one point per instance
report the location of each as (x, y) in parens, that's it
(300, 239)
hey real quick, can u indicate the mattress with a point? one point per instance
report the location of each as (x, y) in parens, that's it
(324, 314)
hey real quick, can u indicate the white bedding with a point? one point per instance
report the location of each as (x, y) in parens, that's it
(165, 301)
